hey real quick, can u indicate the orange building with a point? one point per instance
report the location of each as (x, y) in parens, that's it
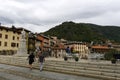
(42, 41)
(100, 49)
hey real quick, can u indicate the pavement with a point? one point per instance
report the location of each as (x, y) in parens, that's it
(9, 72)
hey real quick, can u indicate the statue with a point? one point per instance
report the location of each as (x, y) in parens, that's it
(23, 34)
(22, 50)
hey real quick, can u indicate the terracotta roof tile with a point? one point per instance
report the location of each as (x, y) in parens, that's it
(101, 47)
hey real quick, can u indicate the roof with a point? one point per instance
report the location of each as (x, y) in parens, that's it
(13, 28)
(100, 47)
(43, 36)
(20, 28)
(74, 42)
(6, 28)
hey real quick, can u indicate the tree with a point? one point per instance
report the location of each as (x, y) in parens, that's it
(109, 55)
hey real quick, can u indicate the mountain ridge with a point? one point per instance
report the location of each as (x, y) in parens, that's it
(85, 32)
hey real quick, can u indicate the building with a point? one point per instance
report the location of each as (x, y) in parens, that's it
(79, 47)
(42, 41)
(99, 49)
(117, 47)
(31, 42)
(57, 43)
(57, 46)
(9, 39)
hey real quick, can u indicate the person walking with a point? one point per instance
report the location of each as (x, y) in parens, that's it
(31, 59)
(68, 51)
(41, 59)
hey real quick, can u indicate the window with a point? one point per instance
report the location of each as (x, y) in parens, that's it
(6, 36)
(0, 43)
(0, 35)
(17, 38)
(17, 45)
(5, 44)
(13, 44)
(13, 37)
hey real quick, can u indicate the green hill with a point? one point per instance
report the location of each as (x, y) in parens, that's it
(85, 32)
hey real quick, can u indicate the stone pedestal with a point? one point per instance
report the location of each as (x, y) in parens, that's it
(22, 50)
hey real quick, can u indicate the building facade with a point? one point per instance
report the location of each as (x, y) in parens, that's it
(10, 39)
(42, 41)
(80, 48)
(100, 49)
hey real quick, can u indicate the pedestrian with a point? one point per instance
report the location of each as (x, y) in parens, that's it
(31, 59)
(68, 51)
(41, 59)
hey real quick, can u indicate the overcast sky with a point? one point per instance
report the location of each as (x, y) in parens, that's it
(41, 15)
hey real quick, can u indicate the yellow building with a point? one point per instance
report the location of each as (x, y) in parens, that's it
(9, 39)
(79, 47)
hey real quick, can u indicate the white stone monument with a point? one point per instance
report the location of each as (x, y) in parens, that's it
(22, 50)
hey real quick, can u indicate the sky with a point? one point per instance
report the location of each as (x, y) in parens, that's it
(41, 15)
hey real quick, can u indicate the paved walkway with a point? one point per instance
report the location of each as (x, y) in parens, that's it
(8, 72)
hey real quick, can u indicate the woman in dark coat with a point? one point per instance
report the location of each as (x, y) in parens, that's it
(31, 58)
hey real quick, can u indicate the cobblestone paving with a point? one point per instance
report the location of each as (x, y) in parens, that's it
(8, 72)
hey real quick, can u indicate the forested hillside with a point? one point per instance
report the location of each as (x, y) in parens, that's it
(85, 32)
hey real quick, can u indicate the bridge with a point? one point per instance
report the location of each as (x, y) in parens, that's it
(81, 70)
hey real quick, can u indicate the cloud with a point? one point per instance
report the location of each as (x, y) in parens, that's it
(44, 14)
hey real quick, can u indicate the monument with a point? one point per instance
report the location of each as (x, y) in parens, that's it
(22, 50)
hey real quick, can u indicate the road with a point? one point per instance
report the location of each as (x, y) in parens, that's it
(9, 72)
